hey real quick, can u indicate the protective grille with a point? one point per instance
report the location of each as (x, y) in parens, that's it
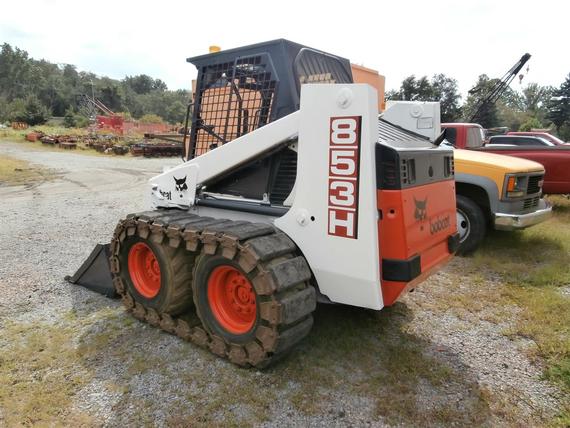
(533, 184)
(530, 202)
(233, 98)
(317, 67)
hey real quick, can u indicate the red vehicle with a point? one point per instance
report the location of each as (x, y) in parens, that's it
(556, 159)
(548, 137)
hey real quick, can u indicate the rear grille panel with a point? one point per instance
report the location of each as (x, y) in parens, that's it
(534, 184)
(531, 202)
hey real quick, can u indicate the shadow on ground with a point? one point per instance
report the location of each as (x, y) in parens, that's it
(356, 366)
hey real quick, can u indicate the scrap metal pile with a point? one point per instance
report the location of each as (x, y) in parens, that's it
(108, 144)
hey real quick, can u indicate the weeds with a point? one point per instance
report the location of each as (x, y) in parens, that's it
(534, 264)
(16, 171)
(39, 376)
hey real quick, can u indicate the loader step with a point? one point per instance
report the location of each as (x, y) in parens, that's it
(269, 276)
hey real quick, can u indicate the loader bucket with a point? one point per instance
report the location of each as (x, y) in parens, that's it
(95, 273)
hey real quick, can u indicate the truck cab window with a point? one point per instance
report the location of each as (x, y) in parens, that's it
(451, 135)
(474, 137)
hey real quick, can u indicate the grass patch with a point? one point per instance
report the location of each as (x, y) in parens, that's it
(39, 376)
(371, 355)
(364, 358)
(16, 171)
(534, 264)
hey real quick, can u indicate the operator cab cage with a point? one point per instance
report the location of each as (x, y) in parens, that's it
(242, 89)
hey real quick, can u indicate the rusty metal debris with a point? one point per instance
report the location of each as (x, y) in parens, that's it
(108, 144)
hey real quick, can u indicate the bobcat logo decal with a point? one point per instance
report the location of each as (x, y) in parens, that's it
(421, 209)
(180, 184)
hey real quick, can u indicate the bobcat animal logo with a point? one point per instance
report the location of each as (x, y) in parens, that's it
(421, 209)
(180, 184)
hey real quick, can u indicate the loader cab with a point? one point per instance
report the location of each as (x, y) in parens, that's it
(242, 89)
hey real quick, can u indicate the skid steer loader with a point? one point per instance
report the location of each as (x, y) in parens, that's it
(293, 192)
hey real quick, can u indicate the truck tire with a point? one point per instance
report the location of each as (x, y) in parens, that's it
(471, 225)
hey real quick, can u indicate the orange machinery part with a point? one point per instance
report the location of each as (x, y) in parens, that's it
(405, 231)
(362, 74)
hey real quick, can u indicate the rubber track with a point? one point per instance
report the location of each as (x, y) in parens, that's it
(279, 276)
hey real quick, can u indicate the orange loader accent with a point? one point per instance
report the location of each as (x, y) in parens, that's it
(232, 299)
(411, 224)
(144, 270)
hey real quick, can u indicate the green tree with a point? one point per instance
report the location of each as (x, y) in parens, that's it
(176, 112)
(440, 88)
(81, 121)
(34, 113)
(445, 90)
(15, 72)
(58, 88)
(69, 118)
(559, 106)
(143, 84)
(530, 124)
(151, 118)
(487, 115)
(15, 110)
(535, 97)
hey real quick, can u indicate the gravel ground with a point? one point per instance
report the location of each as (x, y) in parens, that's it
(132, 374)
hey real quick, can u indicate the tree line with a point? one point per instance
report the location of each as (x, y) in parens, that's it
(33, 90)
(534, 106)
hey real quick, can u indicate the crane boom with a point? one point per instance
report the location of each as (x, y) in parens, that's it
(499, 88)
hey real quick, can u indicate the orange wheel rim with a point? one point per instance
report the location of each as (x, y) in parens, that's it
(232, 299)
(144, 270)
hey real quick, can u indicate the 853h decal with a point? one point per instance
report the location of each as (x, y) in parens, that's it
(344, 170)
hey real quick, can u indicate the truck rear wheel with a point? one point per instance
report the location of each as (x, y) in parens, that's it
(471, 225)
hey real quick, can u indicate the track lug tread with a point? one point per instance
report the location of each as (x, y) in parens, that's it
(298, 305)
(218, 346)
(293, 335)
(279, 276)
(237, 355)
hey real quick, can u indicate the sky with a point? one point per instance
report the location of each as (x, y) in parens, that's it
(461, 39)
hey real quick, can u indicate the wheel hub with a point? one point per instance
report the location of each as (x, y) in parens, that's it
(144, 270)
(463, 225)
(232, 299)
